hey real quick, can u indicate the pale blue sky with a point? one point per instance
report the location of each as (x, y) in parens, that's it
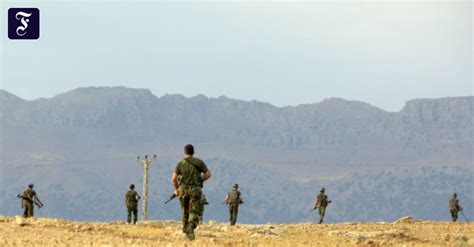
(281, 53)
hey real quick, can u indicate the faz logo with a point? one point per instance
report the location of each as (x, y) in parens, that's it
(23, 23)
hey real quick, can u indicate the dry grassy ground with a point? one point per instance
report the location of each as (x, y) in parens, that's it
(57, 232)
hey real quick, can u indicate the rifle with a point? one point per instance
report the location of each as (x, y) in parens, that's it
(328, 202)
(36, 202)
(172, 196)
(316, 206)
(229, 203)
(464, 216)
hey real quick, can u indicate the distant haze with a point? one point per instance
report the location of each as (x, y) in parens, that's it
(281, 53)
(79, 149)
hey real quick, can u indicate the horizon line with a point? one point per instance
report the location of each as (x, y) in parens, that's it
(225, 96)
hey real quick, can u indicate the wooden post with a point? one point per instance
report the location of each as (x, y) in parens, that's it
(146, 167)
(145, 191)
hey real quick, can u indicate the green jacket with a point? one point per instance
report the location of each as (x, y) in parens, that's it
(131, 199)
(190, 169)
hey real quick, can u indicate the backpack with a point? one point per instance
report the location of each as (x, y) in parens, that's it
(132, 198)
(234, 196)
(323, 200)
(453, 204)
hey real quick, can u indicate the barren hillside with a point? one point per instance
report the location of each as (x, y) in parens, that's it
(57, 232)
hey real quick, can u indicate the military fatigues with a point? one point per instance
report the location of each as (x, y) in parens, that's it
(190, 190)
(322, 202)
(454, 208)
(233, 200)
(202, 202)
(28, 203)
(131, 201)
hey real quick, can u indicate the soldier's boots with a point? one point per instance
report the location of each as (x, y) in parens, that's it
(185, 226)
(190, 232)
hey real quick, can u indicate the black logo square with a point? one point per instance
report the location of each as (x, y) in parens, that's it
(23, 23)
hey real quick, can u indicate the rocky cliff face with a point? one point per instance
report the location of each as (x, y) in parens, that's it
(336, 131)
(454, 112)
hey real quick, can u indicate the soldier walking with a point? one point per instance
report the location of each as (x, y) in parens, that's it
(234, 199)
(321, 203)
(29, 198)
(131, 201)
(193, 172)
(454, 207)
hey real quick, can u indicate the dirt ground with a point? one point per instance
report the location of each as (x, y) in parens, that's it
(16, 231)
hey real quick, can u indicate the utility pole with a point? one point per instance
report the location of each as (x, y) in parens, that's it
(146, 166)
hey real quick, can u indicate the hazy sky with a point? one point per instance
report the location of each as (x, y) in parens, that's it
(282, 53)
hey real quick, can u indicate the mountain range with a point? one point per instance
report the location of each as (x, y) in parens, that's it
(80, 148)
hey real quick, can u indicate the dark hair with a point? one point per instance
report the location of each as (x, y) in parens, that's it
(132, 186)
(30, 185)
(189, 149)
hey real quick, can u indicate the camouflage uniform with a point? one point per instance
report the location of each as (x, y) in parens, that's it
(131, 201)
(321, 203)
(190, 190)
(454, 207)
(202, 202)
(233, 199)
(28, 205)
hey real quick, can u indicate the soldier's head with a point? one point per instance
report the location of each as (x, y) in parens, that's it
(189, 149)
(132, 186)
(455, 195)
(30, 186)
(235, 186)
(322, 190)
